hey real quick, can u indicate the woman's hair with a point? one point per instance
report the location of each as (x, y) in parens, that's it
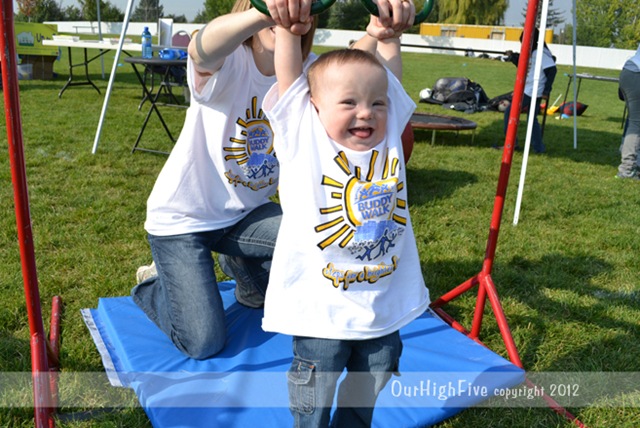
(534, 40)
(339, 57)
(307, 39)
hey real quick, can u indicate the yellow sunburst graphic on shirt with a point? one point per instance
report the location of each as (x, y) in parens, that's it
(254, 153)
(365, 217)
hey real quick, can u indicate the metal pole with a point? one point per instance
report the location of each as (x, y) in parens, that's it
(532, 109)
(112, 77)
(43, 412)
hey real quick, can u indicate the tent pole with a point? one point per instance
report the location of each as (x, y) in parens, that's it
(532, 109)
(100, 34)
(105, 104)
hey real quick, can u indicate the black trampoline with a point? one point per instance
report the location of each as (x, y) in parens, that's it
(441, 122)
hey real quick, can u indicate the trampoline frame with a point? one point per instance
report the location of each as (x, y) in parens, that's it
(454, 124)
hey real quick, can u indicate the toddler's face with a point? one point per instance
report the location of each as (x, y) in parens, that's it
(351, 100)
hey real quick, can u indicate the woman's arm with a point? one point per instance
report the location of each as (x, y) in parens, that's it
(384, 32)
(220, 37)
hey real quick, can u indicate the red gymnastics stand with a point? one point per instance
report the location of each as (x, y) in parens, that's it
(44, 351)
(483, 280)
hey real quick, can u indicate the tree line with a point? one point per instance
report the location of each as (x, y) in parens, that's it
(600, 23)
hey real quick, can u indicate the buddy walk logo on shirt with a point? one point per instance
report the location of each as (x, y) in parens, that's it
(253, 153)
(366, 221)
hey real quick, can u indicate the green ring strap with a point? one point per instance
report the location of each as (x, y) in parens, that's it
(426, 10)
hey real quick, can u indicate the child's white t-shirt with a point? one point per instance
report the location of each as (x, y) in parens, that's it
(547, 62)
(346, 264)
(223, 164)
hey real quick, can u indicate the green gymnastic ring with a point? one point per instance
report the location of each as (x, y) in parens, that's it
(426, 10)
(316, 7)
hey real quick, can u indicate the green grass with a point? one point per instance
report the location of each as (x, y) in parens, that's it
(567, 274)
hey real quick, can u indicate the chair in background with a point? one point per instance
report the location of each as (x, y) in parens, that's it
(180, 39)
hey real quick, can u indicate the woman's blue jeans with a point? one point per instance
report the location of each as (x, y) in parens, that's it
(316, 368)
(183, 300)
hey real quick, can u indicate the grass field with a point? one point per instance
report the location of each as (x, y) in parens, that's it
(567, 274)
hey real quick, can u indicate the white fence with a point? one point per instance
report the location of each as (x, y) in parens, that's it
(586, 56)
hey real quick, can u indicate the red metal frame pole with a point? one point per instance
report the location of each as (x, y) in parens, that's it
(39, 362)
(512, 131)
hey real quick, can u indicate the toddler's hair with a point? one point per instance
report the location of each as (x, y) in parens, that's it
(339, 57)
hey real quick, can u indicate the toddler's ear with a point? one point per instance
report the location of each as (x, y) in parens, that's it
(314, 103)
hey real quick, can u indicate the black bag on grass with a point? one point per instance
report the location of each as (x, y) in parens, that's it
(458, 93)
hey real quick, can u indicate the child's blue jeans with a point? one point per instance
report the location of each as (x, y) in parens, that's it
(184, 300)
(316, 367)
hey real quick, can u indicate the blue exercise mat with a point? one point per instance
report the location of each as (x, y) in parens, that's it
(442, 370)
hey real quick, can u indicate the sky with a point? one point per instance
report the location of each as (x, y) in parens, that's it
(513, 16)
(189, 8)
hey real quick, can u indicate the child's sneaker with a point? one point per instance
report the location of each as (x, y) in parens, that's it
(145, 272)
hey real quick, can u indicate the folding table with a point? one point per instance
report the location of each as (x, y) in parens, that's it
(168, 65)
(103, 45)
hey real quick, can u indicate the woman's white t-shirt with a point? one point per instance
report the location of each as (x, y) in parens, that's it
(346, 264)
(223, 164)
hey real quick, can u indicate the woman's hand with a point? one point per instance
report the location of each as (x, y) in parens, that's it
(395, 17)
(292, 14)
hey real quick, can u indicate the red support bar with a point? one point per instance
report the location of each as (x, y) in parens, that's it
(553, 404)
(54, 348)
(492, 294)
(478, 314)
(39, 362)
(459, 290)
(510, 139)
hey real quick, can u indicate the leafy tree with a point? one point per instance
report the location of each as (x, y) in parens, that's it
(147, 11)
(26, 9)
(49, 10)
(213, 9)
(200, 17)
(554, 15)
(72, 13)
(323, 19)
(473, 12)
(108, 12)
(348, 15)
(628, 34)
(39, 11)
(351, 15)
(608, 23)
(176, 18)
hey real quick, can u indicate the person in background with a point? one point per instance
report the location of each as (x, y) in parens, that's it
(545, 84)
(630, 91)
(346, 274)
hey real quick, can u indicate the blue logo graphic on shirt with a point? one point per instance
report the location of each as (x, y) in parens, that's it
(253, 153)
(366, 221)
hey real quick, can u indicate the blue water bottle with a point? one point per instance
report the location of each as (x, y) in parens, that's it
(147, 52)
